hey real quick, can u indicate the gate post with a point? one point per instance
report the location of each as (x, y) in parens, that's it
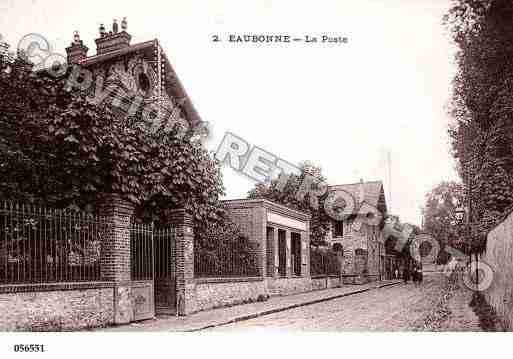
(115, 255)
(184, 239)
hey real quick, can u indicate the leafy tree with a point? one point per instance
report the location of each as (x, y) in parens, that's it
(441, 219)
(59, 149)
(320, 222)
(482, 107)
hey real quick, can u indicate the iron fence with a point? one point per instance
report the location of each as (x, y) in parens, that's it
(152, 251)
(225, 261)
(323, 262)
(141, 251)
(42, 245)
(165, 252)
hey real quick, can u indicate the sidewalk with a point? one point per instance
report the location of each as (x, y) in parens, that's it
(222, 316)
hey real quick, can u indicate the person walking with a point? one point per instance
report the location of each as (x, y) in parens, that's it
(406, 274)
(414, 275)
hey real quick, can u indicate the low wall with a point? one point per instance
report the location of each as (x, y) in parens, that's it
(319, 283)
(218, 292)
(499, 251)
(287, 286)
(56, 306)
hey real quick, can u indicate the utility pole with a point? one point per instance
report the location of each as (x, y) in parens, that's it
(389, 161)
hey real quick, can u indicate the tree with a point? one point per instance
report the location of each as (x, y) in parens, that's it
(441, 218)
(482, 107)
(320, 221)
(60, 149)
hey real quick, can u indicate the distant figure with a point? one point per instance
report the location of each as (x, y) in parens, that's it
(396, 273)
(421, 275)
(414, 275)
(406, 274)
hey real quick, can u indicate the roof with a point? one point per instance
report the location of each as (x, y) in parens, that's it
(278, 207)
(174, 87)
(372, 192)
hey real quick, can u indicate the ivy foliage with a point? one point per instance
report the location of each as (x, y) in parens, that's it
(59, 149)
(482, 108)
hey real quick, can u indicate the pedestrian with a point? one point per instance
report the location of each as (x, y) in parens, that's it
(406, 274)
(421, 275)
(414, 275)
(396, 273)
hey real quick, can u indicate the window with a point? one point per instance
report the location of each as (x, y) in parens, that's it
(337, 247)
(295, 239)
(360, 252)
(338, 230)
(282, 253)
(270, 251)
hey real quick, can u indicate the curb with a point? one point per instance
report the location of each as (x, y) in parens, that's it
(281, 309)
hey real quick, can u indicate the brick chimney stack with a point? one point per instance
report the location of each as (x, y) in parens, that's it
(77, 51)
(113, 40)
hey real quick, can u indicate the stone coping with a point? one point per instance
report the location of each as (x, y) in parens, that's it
(207, 280)
(276, 207)
(48, 287)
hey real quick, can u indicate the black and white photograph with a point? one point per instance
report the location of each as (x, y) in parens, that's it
(177, 171)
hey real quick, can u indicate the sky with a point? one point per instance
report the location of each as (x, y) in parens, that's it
(341, 106)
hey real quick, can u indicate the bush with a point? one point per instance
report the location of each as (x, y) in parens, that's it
(221, 249)
(323, 262)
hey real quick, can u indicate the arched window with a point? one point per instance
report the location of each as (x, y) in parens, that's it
(338, 230)
(337, 247)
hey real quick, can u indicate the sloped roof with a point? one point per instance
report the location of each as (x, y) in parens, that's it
(372, 192)
(173, 86)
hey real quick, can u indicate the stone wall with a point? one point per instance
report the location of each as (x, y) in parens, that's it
(319, 283)
(499, 251)
(218, 292)
(57, 309)
(215, 293)
(287, 286)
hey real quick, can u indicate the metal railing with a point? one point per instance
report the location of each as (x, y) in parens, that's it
(323, 262)
(224, 262)
(42, 245)
(152, 252)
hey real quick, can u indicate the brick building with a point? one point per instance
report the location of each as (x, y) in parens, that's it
(282, 236)
(364, 254)
(130, 77)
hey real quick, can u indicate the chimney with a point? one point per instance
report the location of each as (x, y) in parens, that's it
(113, 40)
(77, 51)
(362, 191)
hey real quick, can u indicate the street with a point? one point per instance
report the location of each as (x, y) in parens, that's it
(400, 307)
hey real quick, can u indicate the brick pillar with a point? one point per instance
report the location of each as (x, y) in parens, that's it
(115, 255)
(289, 255)
(184, 239)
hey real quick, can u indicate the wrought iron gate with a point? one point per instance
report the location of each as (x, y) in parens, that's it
(152, 256)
